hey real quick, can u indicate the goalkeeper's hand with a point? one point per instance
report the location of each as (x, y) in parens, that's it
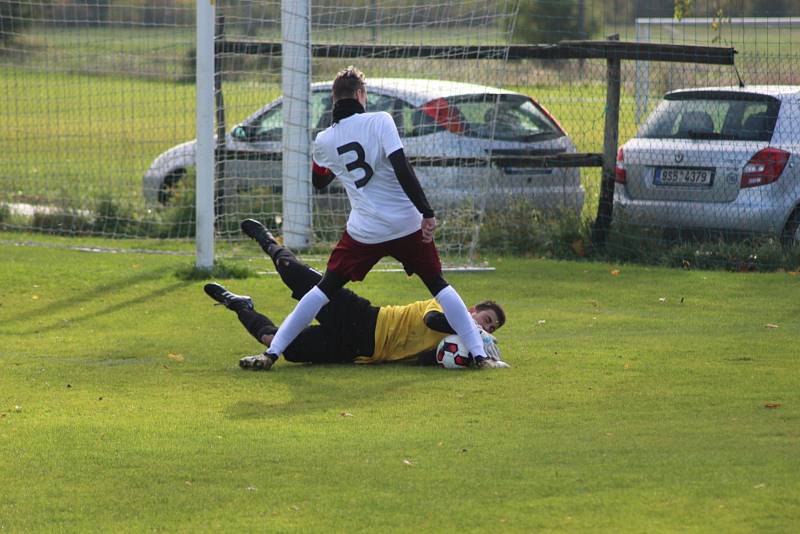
(488, 363)
(490, 347)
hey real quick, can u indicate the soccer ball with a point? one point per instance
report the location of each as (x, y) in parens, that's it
(452, 353)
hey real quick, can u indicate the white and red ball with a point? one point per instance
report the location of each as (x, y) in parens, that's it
(452, 353)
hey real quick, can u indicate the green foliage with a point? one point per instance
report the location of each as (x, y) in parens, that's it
(698, 250)
(220, 270)
(253, 202)
(113, 218)
(178, 218)
(67, 222)
(683, 9)
(748, 255)
(523, 231)
(717, 25)
(550, 22)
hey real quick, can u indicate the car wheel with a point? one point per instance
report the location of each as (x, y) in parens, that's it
(166, 191)
(791, 232)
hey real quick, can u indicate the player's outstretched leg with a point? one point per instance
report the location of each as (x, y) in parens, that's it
(258, 325)
(297, 276)
(232, 301)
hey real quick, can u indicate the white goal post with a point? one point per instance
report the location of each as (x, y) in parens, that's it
(277, 187)
(204, 200)
(645, 30)
(296, 87)
(296, 82)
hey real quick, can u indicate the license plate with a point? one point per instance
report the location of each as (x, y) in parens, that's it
(692, 177)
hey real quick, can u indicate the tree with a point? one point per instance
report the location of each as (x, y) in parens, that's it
(550, 21)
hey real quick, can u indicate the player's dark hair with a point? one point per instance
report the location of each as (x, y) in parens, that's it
(496, 308)
(347, 83)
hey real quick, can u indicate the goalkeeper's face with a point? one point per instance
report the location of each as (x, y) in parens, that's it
(486, 319)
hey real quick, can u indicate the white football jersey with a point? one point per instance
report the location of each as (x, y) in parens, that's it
(356, 150)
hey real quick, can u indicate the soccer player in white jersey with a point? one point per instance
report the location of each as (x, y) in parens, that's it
(389, 216)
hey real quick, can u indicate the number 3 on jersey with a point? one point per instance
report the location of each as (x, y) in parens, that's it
(358, 163)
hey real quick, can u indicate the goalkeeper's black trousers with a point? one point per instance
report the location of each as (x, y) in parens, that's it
(346, 324)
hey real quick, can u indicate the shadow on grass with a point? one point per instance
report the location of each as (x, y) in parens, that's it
(65, 304)
(322, 387)
(90, 295)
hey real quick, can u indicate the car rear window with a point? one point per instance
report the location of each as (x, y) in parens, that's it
(713, 115)
(505, 117)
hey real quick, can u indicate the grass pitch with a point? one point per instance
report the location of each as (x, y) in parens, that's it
(640, 400)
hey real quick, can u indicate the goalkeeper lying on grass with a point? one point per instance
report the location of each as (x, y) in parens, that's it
(351, 330)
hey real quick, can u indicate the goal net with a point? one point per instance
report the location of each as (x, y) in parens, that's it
(99, 119)
(93, 92)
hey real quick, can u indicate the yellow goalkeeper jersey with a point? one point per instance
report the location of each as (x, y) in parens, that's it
(400, 332)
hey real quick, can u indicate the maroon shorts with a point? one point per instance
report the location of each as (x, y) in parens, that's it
(353, 260)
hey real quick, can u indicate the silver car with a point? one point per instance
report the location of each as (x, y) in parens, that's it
(468, 143)
(717, 158)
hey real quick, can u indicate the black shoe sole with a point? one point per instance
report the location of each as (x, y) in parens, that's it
(259, 366)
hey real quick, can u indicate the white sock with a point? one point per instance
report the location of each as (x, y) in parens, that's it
(302, 315)
(460, 319)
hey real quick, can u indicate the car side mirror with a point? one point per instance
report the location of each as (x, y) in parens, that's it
(239, 133)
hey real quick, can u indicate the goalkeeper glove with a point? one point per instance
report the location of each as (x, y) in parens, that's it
(490, 347)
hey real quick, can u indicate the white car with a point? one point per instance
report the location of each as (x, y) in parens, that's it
(451, 132)
(718, 158)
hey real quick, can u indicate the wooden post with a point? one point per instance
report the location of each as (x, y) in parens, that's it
(605, 209)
